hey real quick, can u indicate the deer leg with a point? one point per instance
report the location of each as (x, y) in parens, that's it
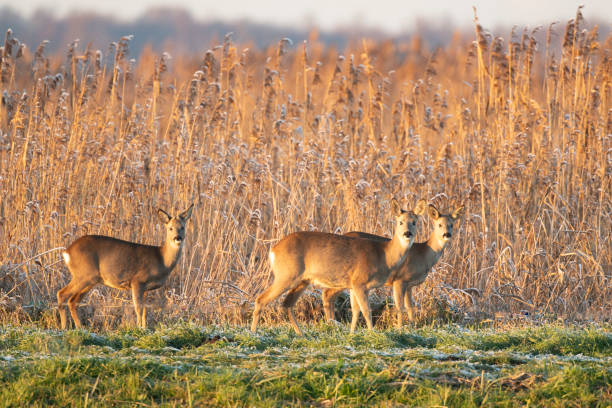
(354, 311)
(328, 307)
(268, 295)
(143, 319)
(408, 303)
(361, 294)
(289, 302)
(398, 298)
(63, 294)
(328, 296)
(78, 293)
(137, 295)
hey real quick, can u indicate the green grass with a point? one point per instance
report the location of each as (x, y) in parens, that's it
(189, 365)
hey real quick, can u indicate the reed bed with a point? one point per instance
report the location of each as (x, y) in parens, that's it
(306, 137)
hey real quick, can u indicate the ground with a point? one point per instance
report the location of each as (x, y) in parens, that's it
(190, 365)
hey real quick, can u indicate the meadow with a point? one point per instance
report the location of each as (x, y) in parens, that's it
(191, 365)
(309, 137)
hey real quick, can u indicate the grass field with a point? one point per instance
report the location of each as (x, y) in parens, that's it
(189, 365)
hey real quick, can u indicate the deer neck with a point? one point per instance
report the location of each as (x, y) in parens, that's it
(436, 247)
(170, 254)
(396, 251)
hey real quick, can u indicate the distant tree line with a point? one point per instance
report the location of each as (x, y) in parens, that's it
(175, 30)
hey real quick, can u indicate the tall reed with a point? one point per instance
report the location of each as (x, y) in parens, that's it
(302, 137)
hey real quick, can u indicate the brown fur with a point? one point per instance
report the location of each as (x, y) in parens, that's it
(421, 257)
(95, 259)
(336, 261)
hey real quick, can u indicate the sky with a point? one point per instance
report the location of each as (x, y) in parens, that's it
(387, 15)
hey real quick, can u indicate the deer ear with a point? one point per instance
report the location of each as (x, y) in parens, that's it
(433, 212)
(186, 214)
(419, 208)
(457, 213)
(163, 216)
(395, 208)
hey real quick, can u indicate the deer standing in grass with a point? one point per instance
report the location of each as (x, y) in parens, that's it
(338, 262)
(421, 257)
(95, 259)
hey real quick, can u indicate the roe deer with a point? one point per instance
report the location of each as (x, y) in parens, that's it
(336, 261)
(94, 259)
(421, 257)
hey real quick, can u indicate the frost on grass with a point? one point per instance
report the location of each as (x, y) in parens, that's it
(283, 367)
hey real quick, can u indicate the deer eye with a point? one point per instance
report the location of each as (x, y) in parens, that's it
(401, 223)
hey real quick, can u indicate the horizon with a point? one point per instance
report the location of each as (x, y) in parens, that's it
(339, 15)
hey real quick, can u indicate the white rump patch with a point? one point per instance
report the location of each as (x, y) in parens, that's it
(271, 255)
(66, 257)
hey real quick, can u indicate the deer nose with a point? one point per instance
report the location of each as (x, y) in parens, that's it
(408, 234)
(447, 235)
